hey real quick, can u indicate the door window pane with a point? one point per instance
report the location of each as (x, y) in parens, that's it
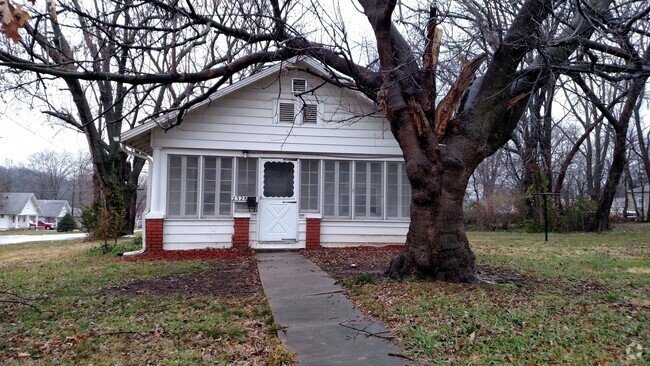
(278, 179)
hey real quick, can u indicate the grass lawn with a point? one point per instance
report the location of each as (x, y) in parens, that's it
(28, 232)
(83, 314)
(579, 299)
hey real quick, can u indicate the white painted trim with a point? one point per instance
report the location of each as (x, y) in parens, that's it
(159, 184)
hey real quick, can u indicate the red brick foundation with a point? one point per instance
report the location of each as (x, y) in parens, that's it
(154, 235)
(240, 237)
(313, 234)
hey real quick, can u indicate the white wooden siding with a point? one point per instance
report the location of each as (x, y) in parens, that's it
(354, 233)
(245, 120)
(6, 222)
(197, 234)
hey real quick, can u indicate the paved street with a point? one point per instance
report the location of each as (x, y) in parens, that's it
(17, 239)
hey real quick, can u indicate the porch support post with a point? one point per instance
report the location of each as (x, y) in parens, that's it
(241, 232)
(313, 234)
(154, 220)
(154, 229)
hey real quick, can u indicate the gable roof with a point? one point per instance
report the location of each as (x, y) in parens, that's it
(139, 136)
(14, 203)
(53, 208)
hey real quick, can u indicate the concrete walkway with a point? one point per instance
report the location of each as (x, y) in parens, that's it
(318, 322)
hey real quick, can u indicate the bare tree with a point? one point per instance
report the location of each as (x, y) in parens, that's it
(118, 38)
(444, 133)
(52, 170)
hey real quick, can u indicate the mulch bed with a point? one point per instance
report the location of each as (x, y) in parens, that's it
(348, 263)
(233, 272)
(228, 277)
(173, 255)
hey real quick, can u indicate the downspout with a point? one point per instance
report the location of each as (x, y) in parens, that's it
(148, 206)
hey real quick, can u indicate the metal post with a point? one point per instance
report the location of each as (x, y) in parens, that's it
(545, 219)
(545, 195)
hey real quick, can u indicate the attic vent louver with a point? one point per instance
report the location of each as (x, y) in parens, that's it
(286, 112)
(299, 86)
(310, 113)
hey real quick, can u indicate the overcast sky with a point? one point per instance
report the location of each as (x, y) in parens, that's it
(24, 132)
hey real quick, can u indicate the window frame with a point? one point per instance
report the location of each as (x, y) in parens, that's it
(240, 207)
(402, 205)
(183, 186)
(318, 185)
(218, 191)
(201, 183)
(336, 184)
(368, 196)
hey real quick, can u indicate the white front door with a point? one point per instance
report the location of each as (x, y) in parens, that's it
(278, 206)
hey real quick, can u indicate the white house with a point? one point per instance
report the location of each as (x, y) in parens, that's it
(639, 199)
(277, 160)
(54, 210)
(17, 210)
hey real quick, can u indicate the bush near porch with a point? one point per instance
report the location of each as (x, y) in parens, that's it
(82, 307)
(578, 299)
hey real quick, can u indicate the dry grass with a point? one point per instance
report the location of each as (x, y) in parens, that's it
(35, 253)
(583, 300)
(72, 318)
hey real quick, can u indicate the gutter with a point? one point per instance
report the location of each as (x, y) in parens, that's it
(147, 208)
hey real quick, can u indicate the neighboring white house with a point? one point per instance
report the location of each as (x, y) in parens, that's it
(54, 210)
(639, 199)
(17, 210)
(277, 160)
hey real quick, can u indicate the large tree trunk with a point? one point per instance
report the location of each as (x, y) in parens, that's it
(436, 244)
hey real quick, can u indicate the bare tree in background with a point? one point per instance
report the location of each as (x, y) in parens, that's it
(52, 169)
(444, 133)
(117, 38)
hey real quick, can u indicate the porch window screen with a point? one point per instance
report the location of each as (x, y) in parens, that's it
(183, 191)
(217, 186)
(398, 191)
(336, 187)
(368, 194)
(246, 181)
(309, 179)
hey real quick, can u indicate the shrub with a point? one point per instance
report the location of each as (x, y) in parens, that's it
(88, 220)
(103, 224)
(579, 215)
(66, 223)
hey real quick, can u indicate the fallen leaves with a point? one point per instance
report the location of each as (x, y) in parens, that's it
(174, 255)
(234, 274)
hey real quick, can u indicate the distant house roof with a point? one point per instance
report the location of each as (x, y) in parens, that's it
(639, 189)
(54, 208)
(14, 203)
